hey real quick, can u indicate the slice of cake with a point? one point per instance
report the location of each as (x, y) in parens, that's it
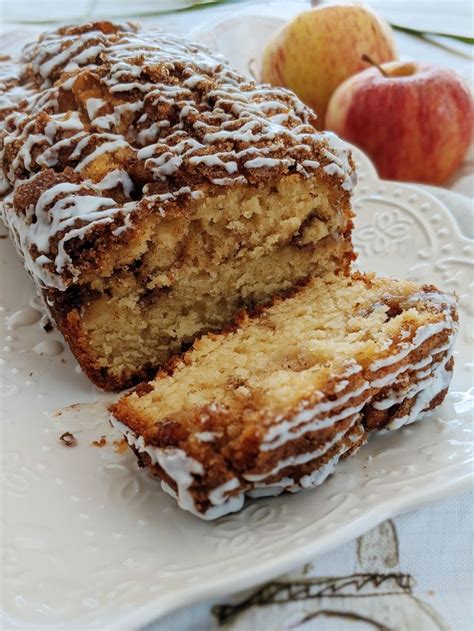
(274, 403)
(153, 192)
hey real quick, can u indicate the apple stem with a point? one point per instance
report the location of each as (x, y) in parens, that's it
(370, 61)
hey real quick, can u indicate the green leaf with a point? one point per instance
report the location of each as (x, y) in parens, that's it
(421, 33)
(431, 38)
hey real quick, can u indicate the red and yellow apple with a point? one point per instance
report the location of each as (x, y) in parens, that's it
(317, 50)
(414, 120)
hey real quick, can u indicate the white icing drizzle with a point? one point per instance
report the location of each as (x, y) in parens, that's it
(319, 475)
(281, 432)
(93, 106)
(106, 147)
(292, 461)
(58, 208)
(206, 437)
(422, 334)
(339, 156)
(231, 504)
(292, 434)
(439, 381)
(115, 178)
(258, 163)
(428, 385)
(441, 299)
(180, 468)
(218, 495)
(310, 480)
(168, 489)
(389, 377)
(58, 211)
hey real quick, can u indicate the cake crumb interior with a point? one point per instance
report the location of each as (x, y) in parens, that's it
(233, 251)
(275, 360)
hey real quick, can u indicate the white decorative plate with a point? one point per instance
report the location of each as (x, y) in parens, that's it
(88, 540)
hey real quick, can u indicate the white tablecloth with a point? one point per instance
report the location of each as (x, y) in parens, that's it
(413, 573)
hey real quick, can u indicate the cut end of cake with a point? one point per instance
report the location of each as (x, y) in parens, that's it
(194, 271)
(274, 403)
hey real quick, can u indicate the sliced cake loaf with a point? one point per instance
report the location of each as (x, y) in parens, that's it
(153, 192)
(274, 403)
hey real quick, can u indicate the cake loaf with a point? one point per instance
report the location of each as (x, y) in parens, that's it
(272, 404)
(153, 192)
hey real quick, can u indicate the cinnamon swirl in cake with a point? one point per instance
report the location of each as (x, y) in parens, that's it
(153, 192)
(272, 404)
